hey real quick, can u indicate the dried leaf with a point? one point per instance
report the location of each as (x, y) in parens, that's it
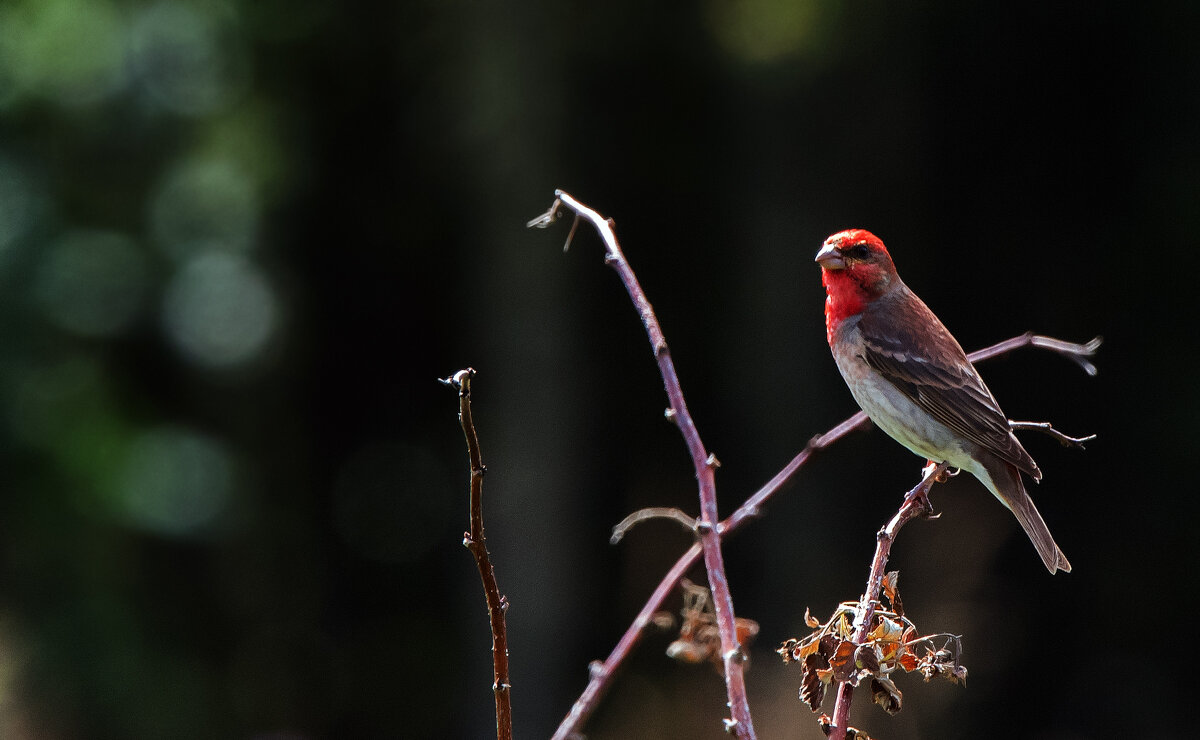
(958, 675)
(817, 660)
(888, 630)
(843, 627)
(746, 630)
(789, 649)
(866, 659)
(812, 688)
(828, 645)
(886, 694)
(663, 620)
(887, 637)
(907, 661)
(688, 652)
(889, 583)
(810, 620)
(891, 589)
(842, 663)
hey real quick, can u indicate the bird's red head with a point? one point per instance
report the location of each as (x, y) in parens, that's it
(855, 269)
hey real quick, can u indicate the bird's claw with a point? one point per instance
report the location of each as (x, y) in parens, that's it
(931, 468)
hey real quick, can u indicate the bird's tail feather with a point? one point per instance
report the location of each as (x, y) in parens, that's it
(1010, 489)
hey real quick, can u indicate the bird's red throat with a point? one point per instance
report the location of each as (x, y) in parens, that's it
(845, 296)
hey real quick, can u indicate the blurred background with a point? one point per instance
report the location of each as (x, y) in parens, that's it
(240, 241)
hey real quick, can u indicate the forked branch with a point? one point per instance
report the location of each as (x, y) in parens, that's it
(740, 724)
(1046, 427)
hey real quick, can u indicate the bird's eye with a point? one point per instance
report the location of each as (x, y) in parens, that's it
(858, 252)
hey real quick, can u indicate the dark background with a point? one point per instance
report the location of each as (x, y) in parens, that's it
(240, 241)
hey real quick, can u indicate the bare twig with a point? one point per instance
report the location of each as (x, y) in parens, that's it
(741, 724)
(916, 503)
(650, 512)
(1077, 353)
(476, 542)
(1046, 427)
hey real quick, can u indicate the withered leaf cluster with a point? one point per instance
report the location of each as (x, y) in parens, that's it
(831, 655)
(699, 637)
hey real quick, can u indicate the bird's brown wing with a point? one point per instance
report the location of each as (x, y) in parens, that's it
(932, 370)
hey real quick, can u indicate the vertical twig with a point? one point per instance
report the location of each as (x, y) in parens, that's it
(476, 542)
(916, 503)
(741, 725)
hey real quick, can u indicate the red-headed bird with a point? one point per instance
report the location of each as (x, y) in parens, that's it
(913, 379)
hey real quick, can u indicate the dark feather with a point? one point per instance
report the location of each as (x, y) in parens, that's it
(1011, 491)
(933, 372)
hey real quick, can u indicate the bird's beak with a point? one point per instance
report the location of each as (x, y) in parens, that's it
(830, 259)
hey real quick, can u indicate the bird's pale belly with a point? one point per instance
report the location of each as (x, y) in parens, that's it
(899, 417)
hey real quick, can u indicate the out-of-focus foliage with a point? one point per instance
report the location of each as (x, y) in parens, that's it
(240, 240)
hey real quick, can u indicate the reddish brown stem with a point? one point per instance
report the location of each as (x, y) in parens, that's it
(740, 725)
(476, 542)
(916, 503)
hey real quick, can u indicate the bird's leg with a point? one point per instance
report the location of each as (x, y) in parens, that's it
(930, 466)
(933, 472)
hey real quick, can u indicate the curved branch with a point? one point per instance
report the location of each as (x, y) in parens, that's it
(650, 512)
(741, 725)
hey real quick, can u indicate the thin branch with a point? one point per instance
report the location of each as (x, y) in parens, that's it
(476, 542)
(1077, 353)
(650, 512)
(1046, 427)
(916, 503)
(741, 724)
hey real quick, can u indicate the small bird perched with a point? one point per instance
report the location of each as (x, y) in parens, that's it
(915, 382)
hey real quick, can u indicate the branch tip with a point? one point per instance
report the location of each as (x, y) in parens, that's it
(1047, 428)
(1071, 350)
(653, 512)
(546, 219)
(460, 381)
(571, 233)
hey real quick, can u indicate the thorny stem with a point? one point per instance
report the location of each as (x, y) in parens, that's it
(916, 503)
(741, 725)
(601, 673)
(476, 542)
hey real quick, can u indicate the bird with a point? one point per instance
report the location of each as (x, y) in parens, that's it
(912, 378)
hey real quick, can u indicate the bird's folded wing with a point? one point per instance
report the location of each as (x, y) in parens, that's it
(934, 373)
